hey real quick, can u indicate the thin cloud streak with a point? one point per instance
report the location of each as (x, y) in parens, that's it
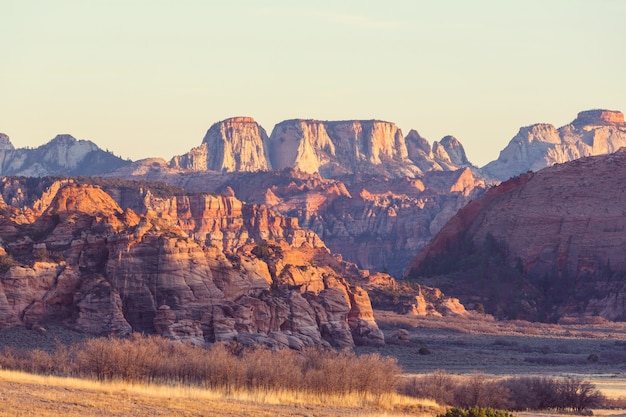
(354, 20)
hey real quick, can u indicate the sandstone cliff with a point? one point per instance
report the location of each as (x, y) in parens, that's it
(235, 144)
(202, 268)
(331, 148)
(338, 148)
(594, 132)
(377, 223)
(538, 246)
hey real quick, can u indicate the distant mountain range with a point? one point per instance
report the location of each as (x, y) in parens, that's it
(373, 195)
(63, 155)
(335, 149)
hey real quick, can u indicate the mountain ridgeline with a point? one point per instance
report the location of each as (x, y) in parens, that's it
(63, 155)
(333, 149)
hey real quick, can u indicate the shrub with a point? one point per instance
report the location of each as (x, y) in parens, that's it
(6, 262)
(438, 386)
(475, 412)
(480, 391)
(539, 393)
(424, 351)
(156, 359)
(262, 250)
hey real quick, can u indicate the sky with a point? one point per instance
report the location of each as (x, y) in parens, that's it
(147, 78)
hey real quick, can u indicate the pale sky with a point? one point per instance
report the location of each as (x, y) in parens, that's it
(147, 78)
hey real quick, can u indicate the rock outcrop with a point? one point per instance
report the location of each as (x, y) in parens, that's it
(63, 155)
(377, 223)
(330, 148)
(200, 268)
(540, 246)
(594, 132)
(338, 148)
(232, 145)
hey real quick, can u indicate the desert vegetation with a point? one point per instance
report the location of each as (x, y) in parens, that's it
(154, 359)
(519, 393)
(314, 376)
(368, 378)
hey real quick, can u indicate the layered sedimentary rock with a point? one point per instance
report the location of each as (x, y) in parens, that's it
(377, 223)
(541, 246)
(336, 149)
(201, 268)
(331, 148)
(594, 132)
(235, 144)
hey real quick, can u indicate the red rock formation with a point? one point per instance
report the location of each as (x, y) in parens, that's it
(109, 270)
(599, 117)
(556, 236)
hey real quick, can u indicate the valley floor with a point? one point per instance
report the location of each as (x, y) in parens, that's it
(465, 345)
(595, 351)
(23, 394)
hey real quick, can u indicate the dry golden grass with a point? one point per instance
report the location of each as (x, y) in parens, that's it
(23, 394)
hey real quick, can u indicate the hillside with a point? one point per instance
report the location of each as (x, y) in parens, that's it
(540, 246)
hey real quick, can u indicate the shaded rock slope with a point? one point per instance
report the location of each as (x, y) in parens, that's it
(112, 257)
(540, 246)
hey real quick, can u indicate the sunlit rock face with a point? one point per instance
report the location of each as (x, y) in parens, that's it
(593, 132)
(199, 268)
(335, 149)
(235, 144)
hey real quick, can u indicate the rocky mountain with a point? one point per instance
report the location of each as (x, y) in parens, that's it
(593, 132)
(540, 246)
(110, 256)
(330, 148)
(232, 145)
(377, 223)
(63, 155)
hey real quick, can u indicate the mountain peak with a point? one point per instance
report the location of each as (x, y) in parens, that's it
(5, 143)
(234, 144)
(599, 117)
(65, 137)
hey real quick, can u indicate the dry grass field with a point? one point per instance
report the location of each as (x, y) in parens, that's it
(23, 394)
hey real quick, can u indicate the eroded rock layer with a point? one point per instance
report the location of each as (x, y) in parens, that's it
(202, 268)
(542, 245)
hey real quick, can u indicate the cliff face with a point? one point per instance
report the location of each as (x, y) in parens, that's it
(594, 132)
(332, 149)
(377, 223)
(199, 267)
(63, 155)
(336, 149)
(235, 144)
(539, 246)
